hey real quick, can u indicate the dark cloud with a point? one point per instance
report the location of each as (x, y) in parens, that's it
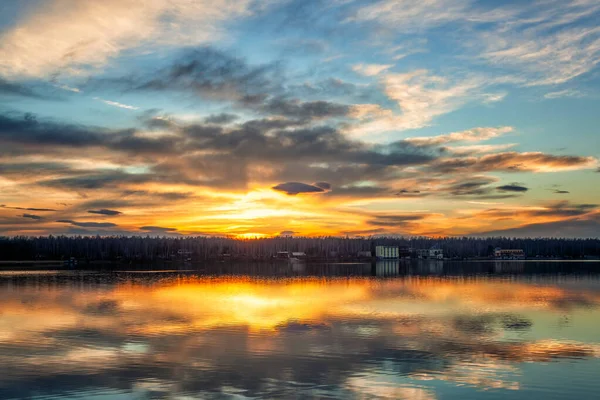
(559, 209)
(18, 89)
(360, 191)
(323, 185)
(27, 208)
(105, 211)
(571, 228)
(513, 187)
(477, 186)
(294, 108)
(213, 74)
(88, 224)
(217, 75)
(396, 220)
(294, 188)
(559, 191)
(27, 169)
(223, 118)
(28, 132)
(410, 193)
(32, 216)
(157, 229)
(508, 162)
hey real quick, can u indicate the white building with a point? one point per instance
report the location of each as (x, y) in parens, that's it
(434, 253)
(387, 252)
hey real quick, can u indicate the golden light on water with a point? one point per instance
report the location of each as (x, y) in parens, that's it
(482, 329)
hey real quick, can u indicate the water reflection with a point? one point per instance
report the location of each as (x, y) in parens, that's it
(191, 335)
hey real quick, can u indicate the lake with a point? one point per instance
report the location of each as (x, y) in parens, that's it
(426, 330)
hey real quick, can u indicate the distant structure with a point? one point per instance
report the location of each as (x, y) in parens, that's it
(300, 255)
(434, 253)
(387, 252)
(71, 262)
(364, 254)
(509, 254)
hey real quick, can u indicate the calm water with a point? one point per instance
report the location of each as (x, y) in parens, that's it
(398, 331)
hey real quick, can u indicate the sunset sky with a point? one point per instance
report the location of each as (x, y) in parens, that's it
(338, 117)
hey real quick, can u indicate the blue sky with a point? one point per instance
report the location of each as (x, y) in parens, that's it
(431, 118)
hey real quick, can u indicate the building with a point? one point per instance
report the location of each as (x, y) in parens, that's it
(300, 255)
(434, 253)
(364, 254)
(387, 252)
(509, 254)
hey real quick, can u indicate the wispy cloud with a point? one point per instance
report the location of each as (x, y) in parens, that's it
(421, 97)
(71, 36)
(563, 93)
(117, 104)
(471, 135)
(371, 69)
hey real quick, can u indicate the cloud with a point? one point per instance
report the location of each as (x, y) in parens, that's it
(293, 108)
(74, 37)
(563, 93)
(18, 89)
(116, 104)
(396, 220)
(27, 208)
(531, 45)
(572, 228)
(479, 148)
(105, 211)
(513, 187)
(371, 69)
(218, 76)
(157, 229)
(471, 135)
(294, 188)
(555, 210)
(559, 191)
(223, 118)
(32, 216)
(421, 97)
(472, 186)
(407, 16)
(323, 185)
(212, 74)
(88, 224)
(514, 162)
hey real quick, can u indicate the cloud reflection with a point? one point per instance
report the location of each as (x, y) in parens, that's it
(190, 335)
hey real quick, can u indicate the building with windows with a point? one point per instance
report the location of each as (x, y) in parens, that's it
(509, 254)
(434, 253)
(387, 252)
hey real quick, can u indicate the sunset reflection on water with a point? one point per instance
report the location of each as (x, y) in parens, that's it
(184, 335)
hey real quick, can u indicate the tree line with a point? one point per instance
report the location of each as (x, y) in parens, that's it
(206, 248)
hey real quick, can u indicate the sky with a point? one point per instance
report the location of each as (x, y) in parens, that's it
(259, 118)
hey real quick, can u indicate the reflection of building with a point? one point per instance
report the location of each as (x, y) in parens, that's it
(509, 254)
(387, 268)
(427, 268)
(387, 252)
(501, 267)
(434, 253)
